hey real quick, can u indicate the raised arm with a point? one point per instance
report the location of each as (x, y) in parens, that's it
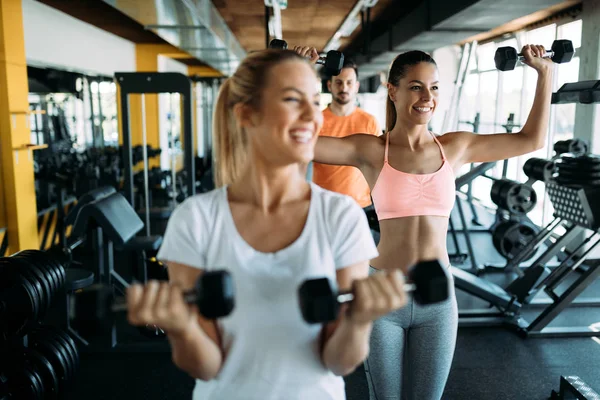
(341, 151)
(494, 147)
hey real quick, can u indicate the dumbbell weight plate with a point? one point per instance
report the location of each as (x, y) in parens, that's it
(28, 382)
(25, 306)
(38, 277)
(56, 356)
(509, 237)
(46, 372)
(45, 261)
(539, 169)
(15, 274)
(70, 343)
(521, 199)
(497, 190)
(48, 273)
(62, 344)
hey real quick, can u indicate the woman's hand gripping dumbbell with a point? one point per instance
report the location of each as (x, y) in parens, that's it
(158, 303)
(166, 305)
(320, 303)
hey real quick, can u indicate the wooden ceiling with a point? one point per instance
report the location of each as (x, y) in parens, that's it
(304, 22)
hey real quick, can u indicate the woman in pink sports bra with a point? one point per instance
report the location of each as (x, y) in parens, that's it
(411, 174)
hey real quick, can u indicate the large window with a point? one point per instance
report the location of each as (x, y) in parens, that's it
(495, 95)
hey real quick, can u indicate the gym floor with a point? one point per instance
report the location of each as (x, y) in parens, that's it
(489, 363)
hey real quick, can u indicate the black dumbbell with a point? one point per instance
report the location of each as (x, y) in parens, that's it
(333, 61)
(320, 303)
(214, 295)
(577, 147)
(506, 58)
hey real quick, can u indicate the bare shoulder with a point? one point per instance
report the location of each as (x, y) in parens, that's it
(454, 144)
(457, 139)
(370, 149)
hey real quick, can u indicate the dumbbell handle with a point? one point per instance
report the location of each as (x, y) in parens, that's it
(346, 297)
(547, 54)
(189, 297)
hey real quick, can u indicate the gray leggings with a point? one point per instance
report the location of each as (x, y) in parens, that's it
(412, 350)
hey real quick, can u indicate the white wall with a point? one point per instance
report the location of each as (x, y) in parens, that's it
(55, 39)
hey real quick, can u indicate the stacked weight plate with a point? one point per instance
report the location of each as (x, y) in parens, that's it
(578, 172)
(29, 281)
(43, 369)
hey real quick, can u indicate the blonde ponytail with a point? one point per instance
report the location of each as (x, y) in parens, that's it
(229, 142)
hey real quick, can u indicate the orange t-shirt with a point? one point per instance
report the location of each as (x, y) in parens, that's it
(344, 179)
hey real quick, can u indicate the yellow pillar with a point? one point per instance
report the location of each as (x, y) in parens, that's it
(18, 210)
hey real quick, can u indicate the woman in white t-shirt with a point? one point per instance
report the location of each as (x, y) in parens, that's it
(272, 230)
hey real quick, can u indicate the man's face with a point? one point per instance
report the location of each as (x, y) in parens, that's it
(344, 86)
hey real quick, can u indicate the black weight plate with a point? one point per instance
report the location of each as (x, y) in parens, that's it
(24, 268)
(44, 280)
(577, 173)
(521, 199)
(70, 355)
(51, 274)
(42, 262)
(54, 264)
(28, 382)
(21, 302)
(584, 182)
(577, 168)
(46, 372)
(586, 161)
(69, 341)
(30, 256)
(60, 270)
(55, 356)
(510, 237)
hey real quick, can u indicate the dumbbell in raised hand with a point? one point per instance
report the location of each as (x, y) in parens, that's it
(506, 58)
(214, 295)
(333, 61)
(320, 303)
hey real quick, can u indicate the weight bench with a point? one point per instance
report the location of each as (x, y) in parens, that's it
(111, 222)
(485, 290)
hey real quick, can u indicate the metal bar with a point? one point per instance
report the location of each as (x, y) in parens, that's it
(591, 302)
(559, 274)
(470, 251)
(565, 299)
(188, 140)
(454, 237)
(538, 239)
(563, 332)
(474, 173)
(101, 117)
(91, 96)
(552, 250)
(146, 166)
(195, 27)
(127, 149)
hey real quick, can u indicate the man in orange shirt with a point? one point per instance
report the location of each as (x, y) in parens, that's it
(342, 118)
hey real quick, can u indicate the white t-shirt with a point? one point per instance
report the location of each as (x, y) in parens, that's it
(270, 351)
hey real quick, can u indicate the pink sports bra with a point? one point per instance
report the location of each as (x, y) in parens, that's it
(398, 194)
